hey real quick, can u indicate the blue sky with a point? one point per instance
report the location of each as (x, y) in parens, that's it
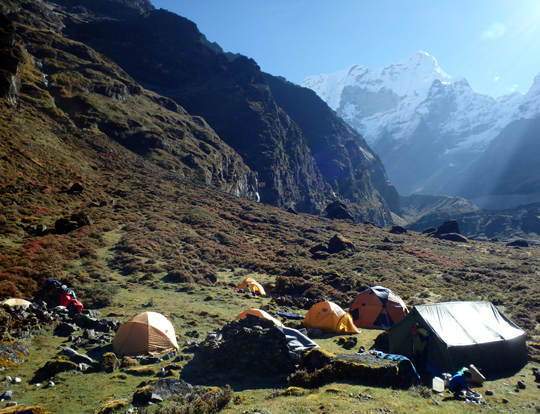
(494, 44)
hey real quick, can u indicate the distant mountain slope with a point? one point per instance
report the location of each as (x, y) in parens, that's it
(417, 206)
(426, 126)
(166, 53)
(508, 172)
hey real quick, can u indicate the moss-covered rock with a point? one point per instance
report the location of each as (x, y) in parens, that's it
(109, 362)
(56, 366)
(24, 409)
(111, 406)
(145, 371)
(128, 362)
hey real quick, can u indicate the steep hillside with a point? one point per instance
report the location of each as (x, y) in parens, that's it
(166, 53)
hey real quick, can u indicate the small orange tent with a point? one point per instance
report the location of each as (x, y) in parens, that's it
(145, 333)
(377, 307)
(252, 285)
(329, 317)
(260, 314)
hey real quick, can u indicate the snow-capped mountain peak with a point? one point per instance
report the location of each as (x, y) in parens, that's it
(413, 108)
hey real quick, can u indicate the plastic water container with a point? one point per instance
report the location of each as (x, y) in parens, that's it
(438, 384)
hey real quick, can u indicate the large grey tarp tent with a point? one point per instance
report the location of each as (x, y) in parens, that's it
(459, 334)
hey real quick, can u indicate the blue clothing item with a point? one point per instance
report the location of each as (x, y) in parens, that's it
(395, 357)
(458, 383)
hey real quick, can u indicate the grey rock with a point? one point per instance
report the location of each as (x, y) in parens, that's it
(6, 395)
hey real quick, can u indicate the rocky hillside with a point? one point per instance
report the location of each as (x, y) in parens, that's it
(166, 53)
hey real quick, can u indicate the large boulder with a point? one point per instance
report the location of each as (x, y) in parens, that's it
(450, 226)
(338, 210)
(245, 347)
(338, 243)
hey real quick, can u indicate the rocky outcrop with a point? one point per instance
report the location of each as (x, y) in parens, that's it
(11, 60)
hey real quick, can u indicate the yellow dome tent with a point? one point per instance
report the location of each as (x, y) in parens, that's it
(329, 317)
(252, 285)
(260, 314)
(16, 302)
(145, 333)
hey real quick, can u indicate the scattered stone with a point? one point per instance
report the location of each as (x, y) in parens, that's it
(76, 189)
(489, 392)
(65, 329)
(13, 352)
(398, 230)
(11, 404)
(321, 247)
(347, 342)
(518, 243)
(50, 384)
(150, 360)
(338, 243)
(450, 226)
(109, 362)
(7, 395)
(8, 378)
(504, 401)
(239, 351)
(60, 364)
(162, 387)
(74, 356)
(338, 210)
(521, 385)
(17, 380)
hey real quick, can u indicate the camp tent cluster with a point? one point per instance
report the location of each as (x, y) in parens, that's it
(442, 337)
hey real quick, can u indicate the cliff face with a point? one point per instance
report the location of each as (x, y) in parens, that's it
(342, 155)
(147, 79)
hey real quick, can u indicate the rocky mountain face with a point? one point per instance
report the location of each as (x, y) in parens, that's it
(77, 87)
(165, 53)
(427, 127)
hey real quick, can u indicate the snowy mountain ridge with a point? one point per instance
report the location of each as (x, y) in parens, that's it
(414, 104)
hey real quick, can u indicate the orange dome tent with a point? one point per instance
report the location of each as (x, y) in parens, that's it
(377, 307)
(260, 314)
(329, 317)
(252, 285)
(145, 333)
